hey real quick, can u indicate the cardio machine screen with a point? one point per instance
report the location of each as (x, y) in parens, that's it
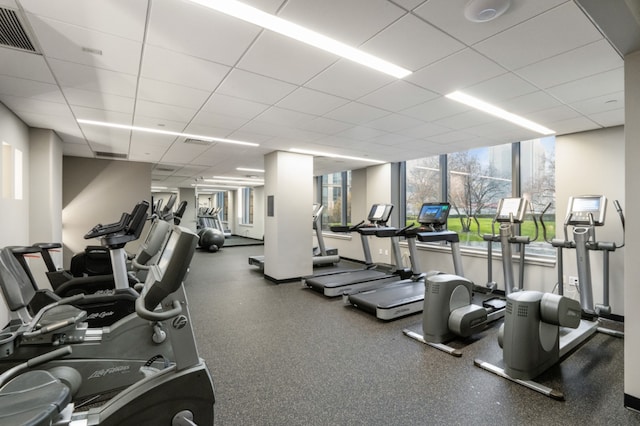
(380, 212)
(587, 209)
(511, 209)
(167, 252)
(434, 213)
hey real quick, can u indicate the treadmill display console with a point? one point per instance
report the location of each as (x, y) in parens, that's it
(587, 209)
(380, 213)
(434, 214)
(511, 209)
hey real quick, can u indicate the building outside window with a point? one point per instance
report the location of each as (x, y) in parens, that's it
(336, 199)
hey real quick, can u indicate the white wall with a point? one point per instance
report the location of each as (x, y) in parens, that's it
(14, 226)
(93, 193)
(593, 163)
(632, 250)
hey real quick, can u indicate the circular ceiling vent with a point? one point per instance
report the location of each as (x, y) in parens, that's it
(485, 10)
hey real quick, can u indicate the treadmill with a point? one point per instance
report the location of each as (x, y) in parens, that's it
(406, 297)
(334, 284)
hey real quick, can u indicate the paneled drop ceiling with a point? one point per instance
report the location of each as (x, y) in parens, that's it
(174, 65)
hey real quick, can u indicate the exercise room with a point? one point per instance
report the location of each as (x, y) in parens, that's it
(340, 212)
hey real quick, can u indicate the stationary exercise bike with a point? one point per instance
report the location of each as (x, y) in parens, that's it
(178, 393)
(541, 328)
(449, 311)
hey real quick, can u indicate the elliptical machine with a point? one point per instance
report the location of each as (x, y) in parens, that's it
(541, 328)
(449, 311)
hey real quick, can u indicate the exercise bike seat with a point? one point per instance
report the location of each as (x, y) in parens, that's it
(33, 398)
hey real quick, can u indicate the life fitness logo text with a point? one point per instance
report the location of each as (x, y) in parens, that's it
(179, 322)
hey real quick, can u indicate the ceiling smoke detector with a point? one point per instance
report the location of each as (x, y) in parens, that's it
(485, 10)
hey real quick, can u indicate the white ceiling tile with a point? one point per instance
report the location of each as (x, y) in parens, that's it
(100, 16)
(11, 4)
(409, 4)
(590, 87)
(351, 22)
(572, 65)
(243, 135)
(283, 58)
(497, 89)
(361, 133)
(177, 68)
(608, 102)
(35, 106)
(87, 77)
(155, 123)
(203, 130)
(311, 101)
(451, 137)
(234, 107)
(171, 94)
(63, 124)
(85, 113)
(610, 118)
(435, 109)
(325, 126)
(181, 152)
(97, 100)
(107, 139)
(532, 102)
(65, 42)
(465, 120)
(449, 16)
(212, 119)
(164, 111)
(394, 122)
(502, 131)
(412, 43)
(284, 117)
(197, 31)
(27, 65)
(541, 37)
(397, 96)
(356, 113)
(460, 70)
(70, 139)
(424, 131)
(349, 80)
(390, 139)
(254, 87)
(578, 124)
(149, 147)
(29, 89)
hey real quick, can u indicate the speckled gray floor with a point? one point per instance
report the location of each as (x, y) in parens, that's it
(285, 355)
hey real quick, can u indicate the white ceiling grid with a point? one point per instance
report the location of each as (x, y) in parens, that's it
(174, 65)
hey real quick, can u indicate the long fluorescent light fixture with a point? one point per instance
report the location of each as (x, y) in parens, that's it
(235, 182)
(327, 154)
(289, 29)
(498, 112)
(246, 169)
(165, 132)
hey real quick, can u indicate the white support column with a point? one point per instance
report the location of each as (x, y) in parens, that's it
(632, 249)
(288, 240)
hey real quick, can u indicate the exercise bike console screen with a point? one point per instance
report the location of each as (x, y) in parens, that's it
(435, 214)
(511, 209)
(380, 213)
(586, 210)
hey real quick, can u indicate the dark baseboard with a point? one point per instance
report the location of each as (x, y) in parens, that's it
(286, 280)
(631, 402)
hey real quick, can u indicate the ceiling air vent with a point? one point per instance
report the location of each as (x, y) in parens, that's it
(197, 142)
(111, 155)
(12, 33)
(165, 169)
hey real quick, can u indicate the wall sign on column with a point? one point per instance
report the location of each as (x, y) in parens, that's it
(270, 205)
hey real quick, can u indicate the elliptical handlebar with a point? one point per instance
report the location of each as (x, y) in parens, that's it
(616, 204)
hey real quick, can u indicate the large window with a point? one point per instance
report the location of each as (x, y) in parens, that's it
(335, 191)
(474, 181)
(247, 206)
